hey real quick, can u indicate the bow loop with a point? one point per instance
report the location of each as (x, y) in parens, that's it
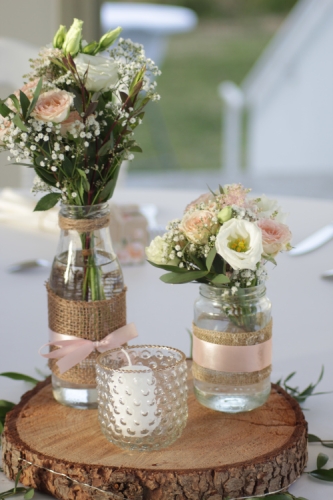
(72, 350)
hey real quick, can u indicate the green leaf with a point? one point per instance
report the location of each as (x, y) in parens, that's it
(323, 474)
(25, 103)
(84, 180)
(91, 108)
(136, 149)
(17, 478)
(174, 269)
(46, 176)
(270, 259)
(15, 101)
(322, 460)
(313, 439)
(210, 258)
(67, 167)
(35, 97)
(178, 278)
(108, 189)
(48, 201)
(12, 492)
(29, 494)
(6, 404)
(19, 376)
(107, 147)
(198, 262)
(220, 279)
(19, 123)
(4, 109)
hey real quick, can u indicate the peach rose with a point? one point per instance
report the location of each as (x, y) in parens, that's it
(28, 89)
(53, 106)
(275, 236)
(70, 125)
(204, 198)
(198, 226)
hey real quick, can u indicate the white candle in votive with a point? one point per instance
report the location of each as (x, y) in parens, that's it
(135, 405)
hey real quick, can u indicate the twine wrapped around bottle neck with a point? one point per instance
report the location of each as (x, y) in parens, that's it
(83, 225)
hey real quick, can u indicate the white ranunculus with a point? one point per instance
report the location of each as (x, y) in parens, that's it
(158, 252)
(246, 237)
(102, 72)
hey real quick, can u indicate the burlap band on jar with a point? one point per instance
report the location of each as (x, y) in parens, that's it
(83, 225)
(232, 358)
(87, 320)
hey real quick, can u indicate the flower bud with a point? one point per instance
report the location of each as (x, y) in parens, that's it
(72, 41)
(90, 49)
(225, 214)
(59, 37)
(108, 39)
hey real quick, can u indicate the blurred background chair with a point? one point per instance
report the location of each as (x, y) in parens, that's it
(148, 24)
(151, 25)
(283, 110)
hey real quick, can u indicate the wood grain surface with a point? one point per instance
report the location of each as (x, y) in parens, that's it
(218, 455)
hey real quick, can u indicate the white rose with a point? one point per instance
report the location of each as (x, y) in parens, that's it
(267, 207)
(158, 252)
(239, 242)
(102, 72)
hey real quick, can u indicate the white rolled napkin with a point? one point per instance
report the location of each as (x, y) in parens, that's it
(16, 210)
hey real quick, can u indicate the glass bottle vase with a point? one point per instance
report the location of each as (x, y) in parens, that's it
(86, 296)
(232, 348)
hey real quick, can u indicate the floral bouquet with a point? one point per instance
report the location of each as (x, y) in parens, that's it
(224, 238)
(73, 120)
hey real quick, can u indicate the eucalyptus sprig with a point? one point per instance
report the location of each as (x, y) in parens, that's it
(320, 472)
(296, 393)
(7, 406)
(18, 490)
(328, 443)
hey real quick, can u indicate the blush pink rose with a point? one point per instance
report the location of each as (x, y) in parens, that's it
(198, 226)
(53, 106)
(70, 125)
(275, 236)
(204, 198)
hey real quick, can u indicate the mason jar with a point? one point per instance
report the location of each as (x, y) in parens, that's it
(232, 336)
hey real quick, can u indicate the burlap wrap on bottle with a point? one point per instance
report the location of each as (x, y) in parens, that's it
(87, 320)
(207, 374)
(92, 320)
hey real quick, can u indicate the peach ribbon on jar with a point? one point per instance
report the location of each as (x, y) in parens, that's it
(232, 359)
(72, 350)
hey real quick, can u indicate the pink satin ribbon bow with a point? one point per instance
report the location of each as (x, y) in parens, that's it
(72, 349)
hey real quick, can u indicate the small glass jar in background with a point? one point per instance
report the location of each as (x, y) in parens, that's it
(129, 232)
(142, 396)
(232, 348)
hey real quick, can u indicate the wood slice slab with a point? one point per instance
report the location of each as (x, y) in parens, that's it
(218, 456)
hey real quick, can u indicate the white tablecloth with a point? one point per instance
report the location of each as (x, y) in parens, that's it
(302, 310)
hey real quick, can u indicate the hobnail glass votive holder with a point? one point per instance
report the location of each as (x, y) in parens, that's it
(142, 396)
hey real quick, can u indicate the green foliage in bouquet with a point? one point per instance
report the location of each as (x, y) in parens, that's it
(74, 119)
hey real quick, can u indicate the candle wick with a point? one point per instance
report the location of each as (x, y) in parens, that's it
(127, 356)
